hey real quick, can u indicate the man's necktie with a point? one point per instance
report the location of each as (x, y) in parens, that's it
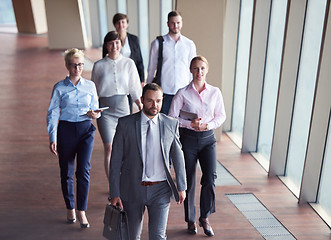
(149, 168)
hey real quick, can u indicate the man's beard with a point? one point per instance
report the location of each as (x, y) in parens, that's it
(149, 112)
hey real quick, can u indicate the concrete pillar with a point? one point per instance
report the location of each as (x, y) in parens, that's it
(30, 16)
(66, 24)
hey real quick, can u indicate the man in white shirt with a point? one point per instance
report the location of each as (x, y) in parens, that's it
(178, 52)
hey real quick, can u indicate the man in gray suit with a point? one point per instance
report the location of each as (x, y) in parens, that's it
(138, 180)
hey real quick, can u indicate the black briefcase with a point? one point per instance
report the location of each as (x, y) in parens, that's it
(115, 224)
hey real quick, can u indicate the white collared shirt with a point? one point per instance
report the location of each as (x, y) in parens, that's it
(208, 105)
(177, 57)
(126, 50)
(116, 77)
(159, 172)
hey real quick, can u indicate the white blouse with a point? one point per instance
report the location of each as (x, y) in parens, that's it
(116, 77)
(126, 50)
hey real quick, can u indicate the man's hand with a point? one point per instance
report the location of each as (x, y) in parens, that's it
(182, 196)
(116, 201)
(52, 147)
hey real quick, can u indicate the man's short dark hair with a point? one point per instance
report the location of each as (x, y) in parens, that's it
(151, 86)
(173, 14)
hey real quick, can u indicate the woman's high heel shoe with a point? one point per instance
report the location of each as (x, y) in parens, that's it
(204, 223)
(81, 216)
(71, 216)
(71, 220)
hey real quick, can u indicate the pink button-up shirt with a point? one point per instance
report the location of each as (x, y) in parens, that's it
(208, 105)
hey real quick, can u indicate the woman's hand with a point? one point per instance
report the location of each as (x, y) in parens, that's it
(139, 104)
(198, 126)
(93, 114)
(53, 148)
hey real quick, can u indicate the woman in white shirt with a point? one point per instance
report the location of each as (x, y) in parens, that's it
(130, 46)
(130, 43)
(115, 77)
(199, 108)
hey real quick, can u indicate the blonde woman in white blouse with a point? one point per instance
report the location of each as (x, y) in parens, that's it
(115, 77)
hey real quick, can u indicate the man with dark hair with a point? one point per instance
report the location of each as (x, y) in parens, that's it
(139, 166)
(177, 54)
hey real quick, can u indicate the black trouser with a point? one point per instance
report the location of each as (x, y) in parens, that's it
(167, 99)
(199, 146)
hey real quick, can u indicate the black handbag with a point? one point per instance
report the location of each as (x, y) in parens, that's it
(115, 224)
(157, 78)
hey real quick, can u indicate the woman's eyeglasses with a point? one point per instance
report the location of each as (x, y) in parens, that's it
(74, 65)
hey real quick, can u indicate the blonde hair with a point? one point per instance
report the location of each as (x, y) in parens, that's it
(199, 58)
(73, 53)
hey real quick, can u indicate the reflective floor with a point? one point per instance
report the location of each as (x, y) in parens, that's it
(31, 205)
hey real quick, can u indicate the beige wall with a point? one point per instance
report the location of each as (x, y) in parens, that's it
(203, 23)
(154, 19)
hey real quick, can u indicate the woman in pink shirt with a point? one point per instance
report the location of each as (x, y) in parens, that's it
(199, 108)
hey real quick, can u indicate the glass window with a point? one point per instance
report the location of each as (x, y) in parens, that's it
(244, 42)
(103, 19)
(305, 89)
(271, 77)
(324, 194)
(143, 29)
(166, 7)
(86, 18)
(121, 6)
(7, 15)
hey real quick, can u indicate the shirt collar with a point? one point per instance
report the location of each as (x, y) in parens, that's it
(67, 81)
(168, 38)
(116, 60)
(191, 85)
(145, 119)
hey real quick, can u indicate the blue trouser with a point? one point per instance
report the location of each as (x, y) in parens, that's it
(202, 146)
(75, 141)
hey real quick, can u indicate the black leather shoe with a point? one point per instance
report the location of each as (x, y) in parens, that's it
(204, 223)
(192, 228)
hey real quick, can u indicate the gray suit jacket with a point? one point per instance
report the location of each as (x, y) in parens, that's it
(126, 165)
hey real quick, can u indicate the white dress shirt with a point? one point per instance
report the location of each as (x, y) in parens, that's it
(159, 172)
(208, 105)
(126, 50)
(177, 57)
(116, 77)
